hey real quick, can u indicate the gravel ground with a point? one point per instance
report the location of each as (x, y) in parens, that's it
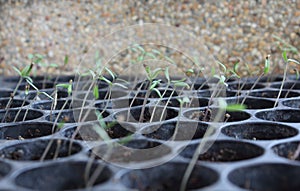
(233, 30)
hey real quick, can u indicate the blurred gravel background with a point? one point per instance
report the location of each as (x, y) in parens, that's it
(232, 29)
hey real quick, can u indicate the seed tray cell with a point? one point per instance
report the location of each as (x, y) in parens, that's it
(253, 149)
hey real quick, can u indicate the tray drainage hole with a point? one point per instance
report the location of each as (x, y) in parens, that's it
(146, 115)
(267, 176)
(28, 130)
(274, 94)
(17, 115)
(62, 176)
(225, 151)
(185, 131)
(88, 131)
(252, 103)
(293, 103)
(34, 150)
(72, 116)
(259, 131)
(136, 150)
(208, 115)
(280, 115)
(289, 150)
(5, 169)
(169, 177)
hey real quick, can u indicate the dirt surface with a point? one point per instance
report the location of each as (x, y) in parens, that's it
(233, 30)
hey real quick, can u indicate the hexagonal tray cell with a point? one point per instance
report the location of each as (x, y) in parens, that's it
(61, 176)
(289, 150)
(187, 130)
(146, 114)
(274, 94)
(259, 131)
(252, 103)
(46, 149)
(267, 79)
(121, 103)
(245, 86)
(33, 95)
(72, 116)
(169, 177)
(13, 103)
(103, 95)
(287, 85)
(88, 131)
(266, 177)
(132, 150)
(280, 115)
(208, 94)
(293, 103)
(173, 102)
(6, 93)
(199, 86)
(27, 130)
(209, 114)
(17, 115)
(60, 104)
(224, 151)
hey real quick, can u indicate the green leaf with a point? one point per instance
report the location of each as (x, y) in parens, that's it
(17, 70)
(170, 60)
(53, 65)
(96, 91)
(235, 67)
(30, 56)
(155, 73)
(154, 84)
(101, 132)
(125, 140)
(235, 107)
(181, 84)
(186, 100)
(267, 65)
(110, 73)
(63, 85)
(156, 51)
(297, 74)
(293, 60)
(284, 56)
(149, 54)
(120, 85)
(167, 74)
(69, 89)
(158, 92)
(139, 47)
(223, 66)
(106, 80)
(66, 60)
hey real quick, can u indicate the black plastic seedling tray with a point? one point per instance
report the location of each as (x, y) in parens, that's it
(255, 149)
